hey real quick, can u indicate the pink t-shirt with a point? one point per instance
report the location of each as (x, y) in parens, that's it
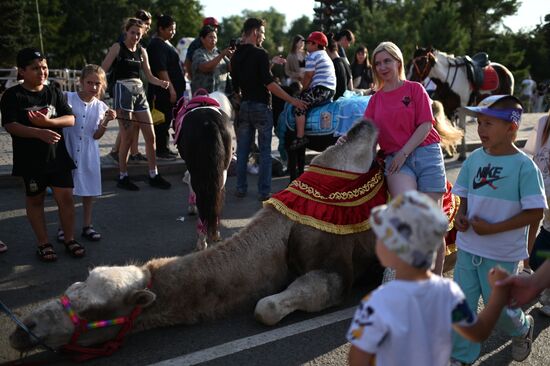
(398, 113)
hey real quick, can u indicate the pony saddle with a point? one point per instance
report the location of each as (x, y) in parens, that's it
(183, 107)
(481, 74)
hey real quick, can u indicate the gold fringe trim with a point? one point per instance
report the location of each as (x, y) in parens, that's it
(450, 249)
(318, 224)
(454, 205)
(366, 192)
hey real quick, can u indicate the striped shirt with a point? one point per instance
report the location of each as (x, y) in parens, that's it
(323, 69)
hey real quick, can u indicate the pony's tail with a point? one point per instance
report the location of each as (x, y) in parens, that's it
(450, 135)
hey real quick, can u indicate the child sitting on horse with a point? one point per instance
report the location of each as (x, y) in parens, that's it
(319, 83)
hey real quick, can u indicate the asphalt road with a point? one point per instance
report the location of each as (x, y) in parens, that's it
(137, 226)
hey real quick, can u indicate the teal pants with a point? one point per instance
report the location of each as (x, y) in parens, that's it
(471, 275)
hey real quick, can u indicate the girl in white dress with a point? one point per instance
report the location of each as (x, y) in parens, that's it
(91, 119)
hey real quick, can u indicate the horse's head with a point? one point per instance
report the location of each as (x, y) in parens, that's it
(421, 64)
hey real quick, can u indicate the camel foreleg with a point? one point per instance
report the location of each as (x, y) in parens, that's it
(311, 292)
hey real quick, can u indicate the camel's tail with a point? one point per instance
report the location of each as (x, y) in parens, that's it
(450, 135)
(205, 145)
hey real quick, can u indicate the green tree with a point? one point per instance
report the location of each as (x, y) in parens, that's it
(13, 34)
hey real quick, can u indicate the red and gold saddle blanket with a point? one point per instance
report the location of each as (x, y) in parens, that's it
(334, 201)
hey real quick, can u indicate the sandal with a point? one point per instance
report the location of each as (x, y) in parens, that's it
(89, 233)
(46, 253)
(60, 236)
(75, 249)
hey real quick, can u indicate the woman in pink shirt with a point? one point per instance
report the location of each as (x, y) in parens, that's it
(401, 110)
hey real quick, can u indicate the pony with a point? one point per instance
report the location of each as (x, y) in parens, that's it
(460, 81)
(204, 138)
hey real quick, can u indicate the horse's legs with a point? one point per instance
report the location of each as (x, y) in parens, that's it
(440, 258)
(201, 235)
(312, 292)
(192, 200)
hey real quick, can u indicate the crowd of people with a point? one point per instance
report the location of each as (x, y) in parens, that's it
(502, 190)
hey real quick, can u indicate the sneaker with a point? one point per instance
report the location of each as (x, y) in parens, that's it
(165, 156)
(126, 184)
(114, 155)
(137, 158)
(526, 272)
(159, 182)
(521, 345)
(173, 153)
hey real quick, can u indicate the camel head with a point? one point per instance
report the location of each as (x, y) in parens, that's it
(107, 293)
(356, 154)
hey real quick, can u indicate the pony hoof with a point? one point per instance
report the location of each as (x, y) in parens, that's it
(217, 237)
(201, 245)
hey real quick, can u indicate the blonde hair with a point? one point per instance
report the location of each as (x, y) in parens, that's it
(396, 54)
(97, 70)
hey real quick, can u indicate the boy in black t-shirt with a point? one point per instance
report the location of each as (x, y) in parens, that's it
(34, 114)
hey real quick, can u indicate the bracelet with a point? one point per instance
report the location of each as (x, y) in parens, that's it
(406, 155)
(104, 125)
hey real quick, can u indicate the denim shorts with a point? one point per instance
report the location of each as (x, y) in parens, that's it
(130, 96)
(426, 165)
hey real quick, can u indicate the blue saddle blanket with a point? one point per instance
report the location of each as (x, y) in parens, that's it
(334, 118)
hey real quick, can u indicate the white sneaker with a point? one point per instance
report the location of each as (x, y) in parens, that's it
(521, 346)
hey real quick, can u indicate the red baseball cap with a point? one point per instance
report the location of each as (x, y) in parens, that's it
(210, 21)
(319, 38)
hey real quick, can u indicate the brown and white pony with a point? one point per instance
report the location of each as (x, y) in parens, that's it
(450, 74)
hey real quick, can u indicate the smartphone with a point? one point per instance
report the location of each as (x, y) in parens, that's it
(233, 43)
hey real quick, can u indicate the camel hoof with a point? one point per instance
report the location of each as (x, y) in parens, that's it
(267, 312)
(192, 210)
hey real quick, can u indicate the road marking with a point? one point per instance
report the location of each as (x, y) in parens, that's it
(243, 344)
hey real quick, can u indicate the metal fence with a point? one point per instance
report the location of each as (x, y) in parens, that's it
(65, 79)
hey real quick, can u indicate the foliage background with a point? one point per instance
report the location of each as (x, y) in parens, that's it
(76, 32)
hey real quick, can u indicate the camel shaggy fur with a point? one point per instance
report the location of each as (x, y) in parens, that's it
(273, 262)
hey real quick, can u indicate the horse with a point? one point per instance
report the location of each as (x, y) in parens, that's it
(460, 81)
(204, 138)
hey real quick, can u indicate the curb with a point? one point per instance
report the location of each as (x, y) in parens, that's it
(109, 171)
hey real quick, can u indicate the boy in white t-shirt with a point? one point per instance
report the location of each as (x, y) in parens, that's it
(408, 321)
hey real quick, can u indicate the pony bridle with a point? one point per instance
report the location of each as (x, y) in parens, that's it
(81, 326)
(430, 60)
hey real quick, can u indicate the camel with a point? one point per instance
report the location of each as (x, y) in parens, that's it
(274, 262)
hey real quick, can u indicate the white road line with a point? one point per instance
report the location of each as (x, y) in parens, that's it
(242, 344)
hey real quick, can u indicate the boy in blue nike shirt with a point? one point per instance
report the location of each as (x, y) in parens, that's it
(502, 193)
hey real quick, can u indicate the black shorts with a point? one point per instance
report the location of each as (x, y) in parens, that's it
(36, 184)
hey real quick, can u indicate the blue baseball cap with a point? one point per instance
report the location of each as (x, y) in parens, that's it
(508, 114)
